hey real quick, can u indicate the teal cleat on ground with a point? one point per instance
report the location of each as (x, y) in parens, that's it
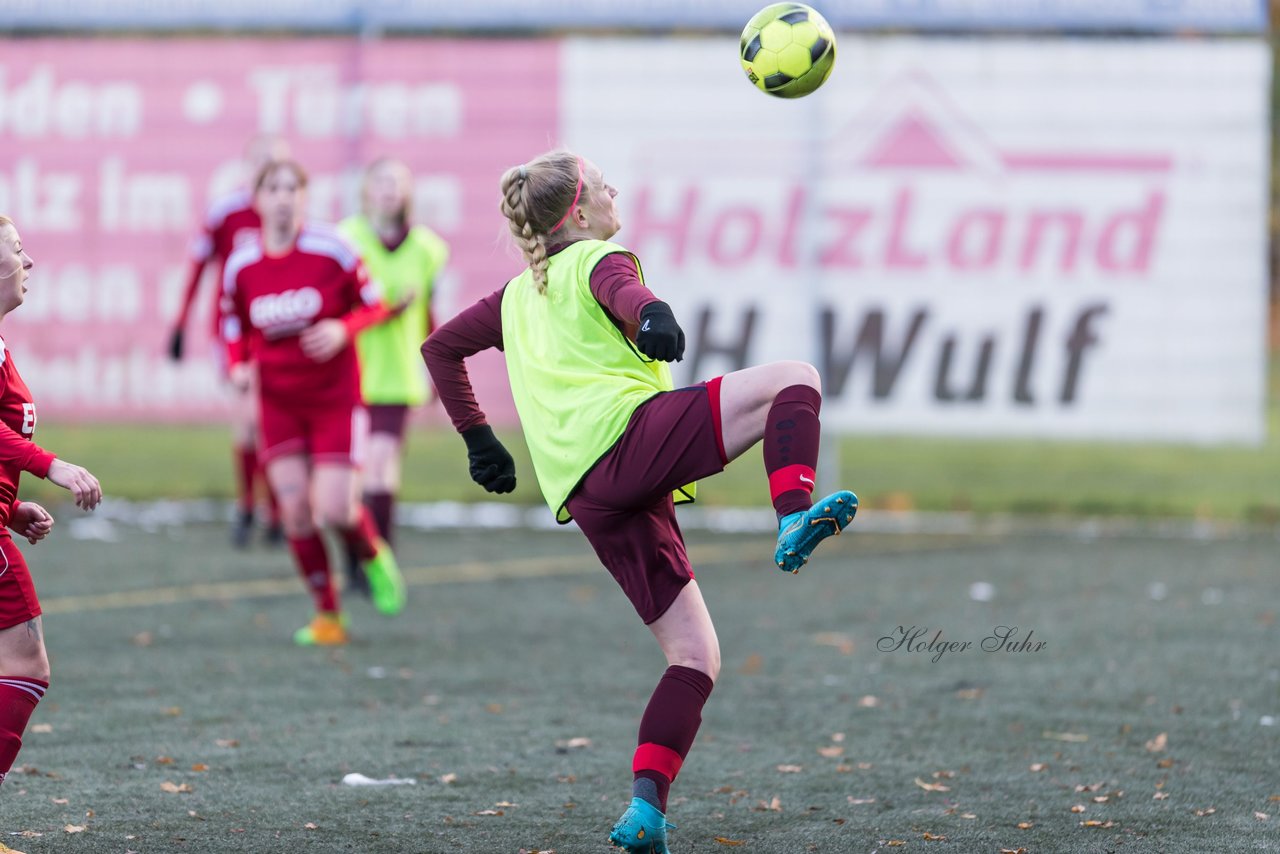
(800, 533)
(641, 830)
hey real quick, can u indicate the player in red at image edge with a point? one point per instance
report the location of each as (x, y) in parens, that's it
(24, 664)
(232, 219)
(294, 299)
(615, 447)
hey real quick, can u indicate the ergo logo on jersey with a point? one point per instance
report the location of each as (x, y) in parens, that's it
(295, 307)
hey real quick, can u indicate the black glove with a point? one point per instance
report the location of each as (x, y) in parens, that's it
(175, 345)
(660, 337)
(491, 465)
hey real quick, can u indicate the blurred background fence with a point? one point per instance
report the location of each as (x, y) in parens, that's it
(1044, 220)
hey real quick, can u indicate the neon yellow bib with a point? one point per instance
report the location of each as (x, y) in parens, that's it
(391, 369)
(575, 377)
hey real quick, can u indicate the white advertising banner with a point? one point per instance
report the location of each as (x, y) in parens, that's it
(989, 238)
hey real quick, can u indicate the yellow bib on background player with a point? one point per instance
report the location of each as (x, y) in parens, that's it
(390, 361)
(575, 377)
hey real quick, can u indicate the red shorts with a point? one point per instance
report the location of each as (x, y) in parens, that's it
(333, 435)
(624, 503)
(18, 602)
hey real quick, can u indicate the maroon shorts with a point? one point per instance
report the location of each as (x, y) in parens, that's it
(18, 602)
(333, 435)
(624, 504)
(388, 418)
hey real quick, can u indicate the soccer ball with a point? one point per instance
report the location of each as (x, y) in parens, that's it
(788, 50)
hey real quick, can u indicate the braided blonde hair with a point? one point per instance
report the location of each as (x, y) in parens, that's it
(536, 198)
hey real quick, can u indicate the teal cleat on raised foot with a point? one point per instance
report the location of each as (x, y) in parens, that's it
(800, 533)
(641, 830)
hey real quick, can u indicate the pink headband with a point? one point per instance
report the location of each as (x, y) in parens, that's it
(577, 194)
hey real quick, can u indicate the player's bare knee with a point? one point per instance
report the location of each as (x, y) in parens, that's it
(802, 373)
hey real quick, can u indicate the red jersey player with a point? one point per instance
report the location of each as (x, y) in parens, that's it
(232, 220)
(293, 300)
(24, 665)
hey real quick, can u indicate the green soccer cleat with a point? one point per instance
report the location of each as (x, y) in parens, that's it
(386, 584)
(800, 533)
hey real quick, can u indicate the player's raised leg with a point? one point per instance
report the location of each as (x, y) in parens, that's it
(779, 404)
(291, 480)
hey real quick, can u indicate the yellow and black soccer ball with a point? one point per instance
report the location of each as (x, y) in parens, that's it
(788, 50)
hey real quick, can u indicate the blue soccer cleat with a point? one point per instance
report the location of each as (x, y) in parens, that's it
(641, 830)
(800, 533)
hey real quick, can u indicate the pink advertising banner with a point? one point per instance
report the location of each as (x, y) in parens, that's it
(111, 152)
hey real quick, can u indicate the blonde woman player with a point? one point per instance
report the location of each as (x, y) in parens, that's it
(405, 260)
(24, 664)
(615, 446)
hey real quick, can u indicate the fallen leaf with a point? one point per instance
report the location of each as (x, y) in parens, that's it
(1039, 766)
(505, 804)
(1096, 823)
(228, 742)
(790, 769)
(172, 711)
(143, 639)
(199, 766)
(729, 842)
(176, 788)
(448, 778)
(489, 812)
(1025, 825)
(42, 728)
(753, 665)
(1078, 808)
(494, 708)
(774, 805)
(929, 837)
(943, 775)
(75, 828)
(1013, 851)
(932, 787)
(1165, 763)
(1159, 743)
(60, 800)
(1209, 811)
(895, 843)
(1101, 799)
(1159, 796)
(837, 737)
(578, 743)
(840, 641)
(1065, 736)
(1261, 816)
(864, 766)
(856, 801)
(868, 702)
(164, 760)
(968, 815)
(311, 825)
(833, 752)
(969, 694)
(843, 769)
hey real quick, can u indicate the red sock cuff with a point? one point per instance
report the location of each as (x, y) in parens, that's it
(791, 477)
(655, 757)
(31, 690)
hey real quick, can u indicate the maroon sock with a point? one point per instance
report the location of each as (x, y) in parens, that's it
(670, 722)
(246, 473)
(18, 698)
(362, 537)
(791, 435)
(313, 566)
(383, 506)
